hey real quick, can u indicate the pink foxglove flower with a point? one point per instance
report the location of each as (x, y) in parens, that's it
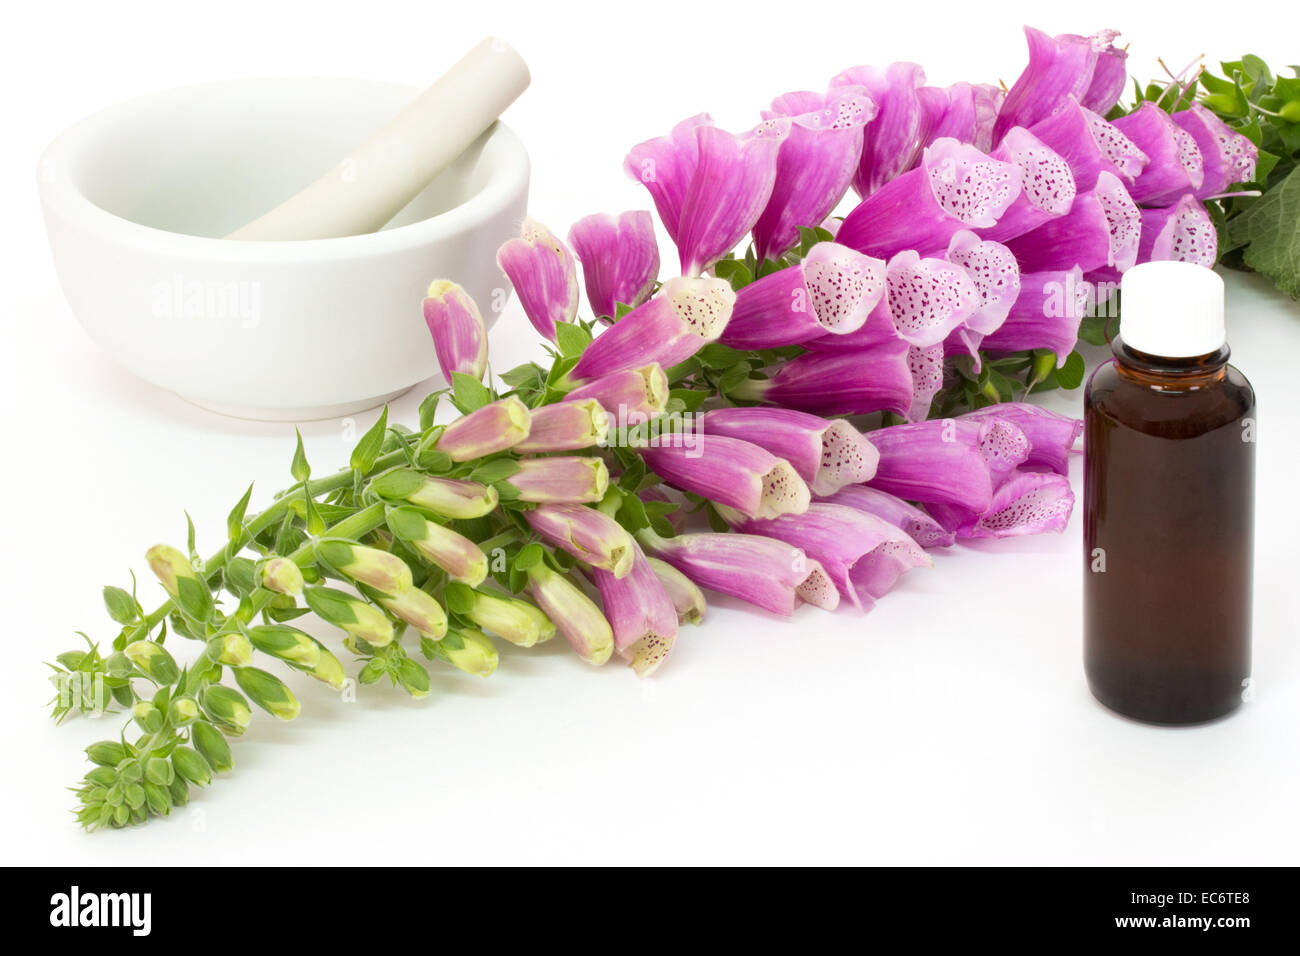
(1227, 156)
(758, 570)
(636, 394)
(459, 336)
(640, 612)
(563, 479)
(729, 471)
(1051, 436)
(569, 425)
(1176, 165)
(685, 594)
(1183, 232)
(893, 140)
(1046, 314)
(933, 461)
(956, 187)
(541, 269)
(831, 292)
(620, 259)
(687, 314)
(995, 273)
(969, 111)
(461, 558)
(589, 535)
(485, 431)
(1087, 69)
(709, 186)
(815, 164)
(1100, 231)
(575, 615)
(1026, 502)
(862, 553)
(1090, 145)
(827, 453)
(871, 378)
(1047, 185)
(918, 525)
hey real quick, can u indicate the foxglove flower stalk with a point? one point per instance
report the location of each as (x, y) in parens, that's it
(956, 187)
(850, 382)
(459, 335)
(589, 535)
(620, 260)
(1183, 232)
(541, 269)
(575, 615)
(731, 472)
(1175, 163)
(1051, 436)
(892, 141)
(708, 185)
(861, 553)
(1227, 157)
(761, 571)
(687, 314)
(640, 612)
(446, 497)
(375, 567)
(510, 618)
(918, 525)
(566, 426)
(1100, 231)
(461, 558)
(831, 292)
(815, 164)
(827, 454)
(1087, 69)
(1047, 187)
(1090, 145)
(418, 609)
(634, 393)
(1025, 503)
(1046, 314)
(685, 594)
(561, 479)
(495, 427)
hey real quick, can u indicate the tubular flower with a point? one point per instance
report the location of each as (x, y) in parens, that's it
(1087, 69)
(759, 570)
(418, 609)
(831, 292)
(926, 368)
(448, 497)
(893, 140)
(815, 164)
(632, 393)
(1047, 185)
(354, 616)
(1183, 232)
(541, 269)
(685, 594)
(967, 112)
(566, 426)
(932, 461)
(379, 569)
(861, 553)
(1176, 165)
(620, 259)
(459, 335)
(1227, 157)
(495, 427)
(956, 187)
(730, 472)
(687, 314)
(470, 650)
(918, 525)
(640, 612)
(461, 558)
(1100, 231)
(589, 535)
(708, 185)
(575, 615)
(568, 479)
(1051, 436)
(827, 454)
(995, 273)
(1090, 145)
(510, 618)
(848, 382)
(1027, 502)
(1046, 314)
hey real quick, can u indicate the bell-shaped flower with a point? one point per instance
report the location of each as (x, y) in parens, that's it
(687, 314)
(541, 269)
(1175, 163)
(685, 594)
(459, 335)
(565, 426)
(380, 569)
(1090, 145)
(1051, 436)
(620, 259)
(709, 186)
(561, 479)
(461, 558)
(1227, 157)
(495, 427)
(956, 187)
(762, 571)
(934, 461)
(1101, 230)
(589, 535)
(815, 164)
(1047, 187)
(1046, 314)
(418, 609)
(918, 525)
(1087, 69)
(729, 471)
(640, 612)
(926, 367)
(893, 140)
(575, 615)
(637, 393)
(827, 453)
(856, 381)
(995, 273)
(968, 113)
(510, 618)
(831, 292)
(1183, 232)
(1027, 502)
(861, 553)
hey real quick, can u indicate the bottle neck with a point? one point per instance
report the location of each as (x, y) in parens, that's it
(1170, 374)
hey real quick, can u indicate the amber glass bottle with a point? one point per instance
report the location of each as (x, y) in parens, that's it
(1169, 506)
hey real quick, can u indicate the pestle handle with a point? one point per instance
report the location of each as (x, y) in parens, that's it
(369, 187)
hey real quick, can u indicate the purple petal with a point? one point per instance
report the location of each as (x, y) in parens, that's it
(589, 535)
(1227, 156)
(541, 269)
(840, 383)
(640, 393)
(1175, 166)
(1047, 185)
(956, 187)
(666, 166)
(893, 140)
(935, 461)
(1109, 76)
(1101, 229)
(620, 259)
(1051, 436)
(459, 336)
(1026, 503)
(815, 165)
(640, 612)
(1060, 69)
(1090, 145)
(970, 111)
(995, 273)
(918, 525)
(729, 471)
(1183, 232)
(926, 366)
(1046, 315)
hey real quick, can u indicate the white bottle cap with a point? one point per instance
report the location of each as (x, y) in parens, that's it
(1171, 309)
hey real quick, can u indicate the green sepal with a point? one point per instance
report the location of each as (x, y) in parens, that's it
(367, 449)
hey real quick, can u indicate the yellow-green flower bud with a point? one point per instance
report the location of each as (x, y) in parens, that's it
(469, 650)
(449, 497)
(149, 717)
(179, 579)
(684, 593)
(329, 670)
(191, 766)
(209, 742)
(106, 753)
(182, 711)
(517, 621)
(268, 692)
(286, 643)
(413, 678)
(418, 609)
(154, 661)
(280, 575)
(461, 558)
(354, 616)
(231, 649)
(158, 770)
(227, 708)
(157, 798)
(379, 569)
(576, 616)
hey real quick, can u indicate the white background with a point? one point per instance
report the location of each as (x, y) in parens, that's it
(950, 725)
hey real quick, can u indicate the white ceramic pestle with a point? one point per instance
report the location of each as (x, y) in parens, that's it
(370, 186)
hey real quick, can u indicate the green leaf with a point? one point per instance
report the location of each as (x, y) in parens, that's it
(459, 597)
(498, 469)
(121, 606)
(1070, 375)
(300, 470)
(428, 409)
(468, 393)
(1270, 230)
(1093, 329)
(529, 556)
(367, 449)
(571, 338)
(718, 356)
(235, 520)
(735, 272)
(524, 376)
